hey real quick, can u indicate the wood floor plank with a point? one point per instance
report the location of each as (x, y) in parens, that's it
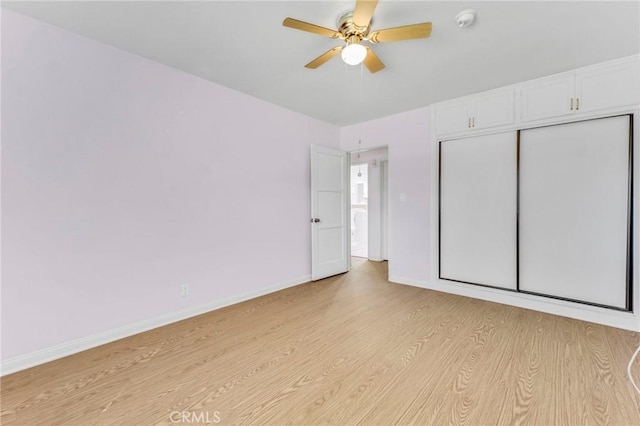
(351, 349)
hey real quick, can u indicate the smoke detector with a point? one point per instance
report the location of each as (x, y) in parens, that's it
(465, 18)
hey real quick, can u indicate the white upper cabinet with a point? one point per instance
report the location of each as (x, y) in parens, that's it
(608, 86)
(603, 89)
(586, 90)
(454, 118)
(481, 112)
(494, 110)
(549, 97)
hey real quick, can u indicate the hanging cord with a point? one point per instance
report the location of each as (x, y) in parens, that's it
(358, 158)
(633, 357)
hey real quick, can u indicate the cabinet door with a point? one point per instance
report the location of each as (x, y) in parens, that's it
(478, 210)
(453, 118)
(494, 110)
(550, 97)
(608, 86)
(574, 211)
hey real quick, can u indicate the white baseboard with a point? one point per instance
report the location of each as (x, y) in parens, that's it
(610, 317)
(44, 355)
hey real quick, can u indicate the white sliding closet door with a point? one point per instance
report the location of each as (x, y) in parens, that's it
(574, 190)
(478, 201)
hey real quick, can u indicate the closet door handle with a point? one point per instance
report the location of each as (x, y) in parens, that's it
(473, 122)
(469, 122)
(571, 104)
(577, 104)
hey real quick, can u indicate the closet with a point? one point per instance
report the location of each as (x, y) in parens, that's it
(540, 206)
(545, 211)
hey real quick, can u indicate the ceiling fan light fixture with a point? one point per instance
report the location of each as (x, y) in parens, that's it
(354, 53)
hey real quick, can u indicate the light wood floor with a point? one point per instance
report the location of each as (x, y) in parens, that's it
(349, 349)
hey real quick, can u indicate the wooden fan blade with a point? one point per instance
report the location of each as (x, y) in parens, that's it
(372, 62)
(363, 12)
(406, 32)
(329, 54)
(311, 28)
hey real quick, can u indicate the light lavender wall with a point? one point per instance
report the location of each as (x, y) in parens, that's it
(409, 140)
(123, 179)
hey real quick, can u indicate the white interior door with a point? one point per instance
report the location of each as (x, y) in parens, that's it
(329, 212)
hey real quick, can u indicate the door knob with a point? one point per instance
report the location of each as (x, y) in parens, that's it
(316, 220)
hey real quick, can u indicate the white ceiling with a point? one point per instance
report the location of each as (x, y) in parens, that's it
(243, 45)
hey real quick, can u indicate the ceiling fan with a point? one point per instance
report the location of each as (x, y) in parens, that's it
(354, 27)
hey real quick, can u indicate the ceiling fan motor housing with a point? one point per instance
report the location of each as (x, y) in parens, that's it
(349, 29)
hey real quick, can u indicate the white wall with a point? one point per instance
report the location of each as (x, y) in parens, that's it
(407, 136)
(123, 179)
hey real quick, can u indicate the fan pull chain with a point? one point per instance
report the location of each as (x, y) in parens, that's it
(361, 77)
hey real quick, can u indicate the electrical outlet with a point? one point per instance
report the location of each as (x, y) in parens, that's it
(184, 290)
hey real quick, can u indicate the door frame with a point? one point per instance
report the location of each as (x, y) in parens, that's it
(384, 205)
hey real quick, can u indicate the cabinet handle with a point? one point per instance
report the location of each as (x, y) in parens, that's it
(469, 122)
(577, 104)
(473, 122)
(571, 104)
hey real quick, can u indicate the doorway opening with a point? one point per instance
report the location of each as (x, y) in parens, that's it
(369, 204)
(359, 210)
